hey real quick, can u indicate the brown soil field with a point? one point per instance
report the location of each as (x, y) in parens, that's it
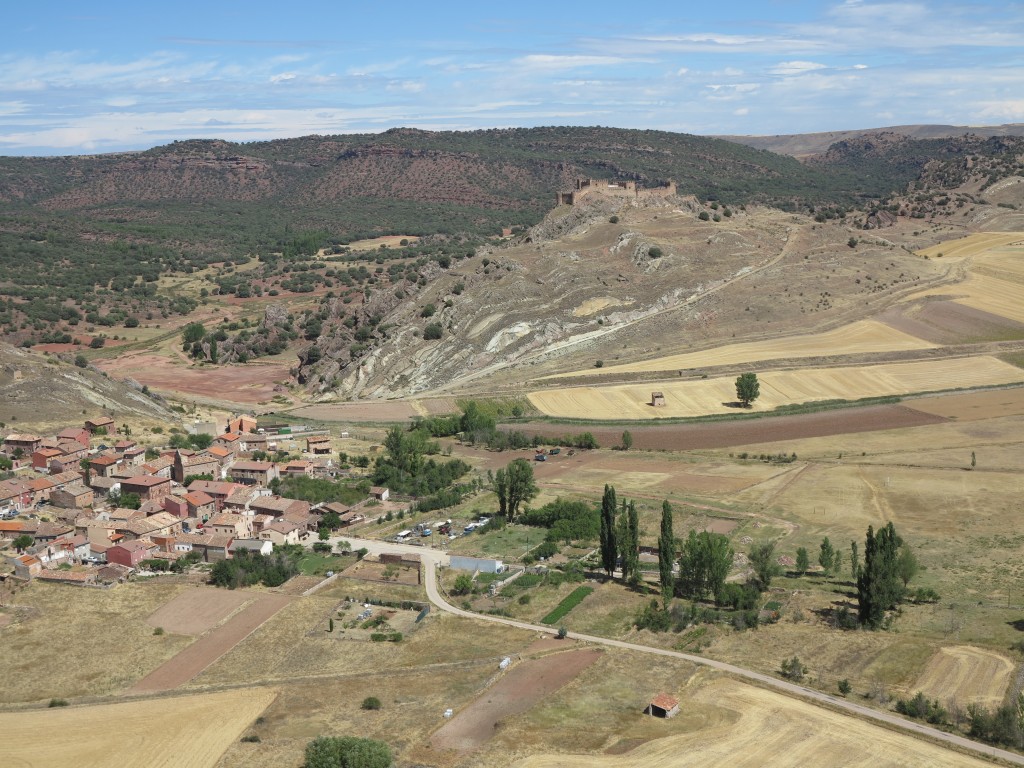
(203, 652)
(517, 691)
(864, 336)
(726, 434)
(251, 383)
(196, 610)
(376, 410)
(966, 675)
(178, 732)
(718, 395)
(972, 245)
(974, 406)
(948, 322)
(748, 727)
(374, 571)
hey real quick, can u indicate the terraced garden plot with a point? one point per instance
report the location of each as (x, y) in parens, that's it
(710, 396)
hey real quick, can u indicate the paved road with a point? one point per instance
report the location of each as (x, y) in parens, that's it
(431, 558)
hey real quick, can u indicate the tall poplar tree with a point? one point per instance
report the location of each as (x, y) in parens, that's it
(609, 551)
(666, 550)
(631, 550)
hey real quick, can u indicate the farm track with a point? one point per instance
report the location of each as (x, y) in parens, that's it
(806, 694)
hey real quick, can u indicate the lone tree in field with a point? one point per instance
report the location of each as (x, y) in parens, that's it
(666, 550)
(609, 551)
(627, 440)
(514, 484)
(747, 389)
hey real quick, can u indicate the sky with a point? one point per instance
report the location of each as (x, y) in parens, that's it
(109, 75)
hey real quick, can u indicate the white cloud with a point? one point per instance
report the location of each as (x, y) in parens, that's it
(741, 111)
(795, 67)
(284, 77)
(544, 61)
(121, 101)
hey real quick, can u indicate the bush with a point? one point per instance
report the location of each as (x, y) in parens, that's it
(793, 670)
(920, 708)
(97, 342)
(652, 617)
(463, 584)
(433, 332)
(57, 703)
(655, 252)
(562, 633)
(251, 738)
(158, 631)
(703, 216)
(347, 752)
(81, 362)
(371, 702)
(845, 687)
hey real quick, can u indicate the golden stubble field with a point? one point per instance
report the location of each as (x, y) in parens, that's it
(178, 732)
(864, 336)
(755, 727)
(718, 395)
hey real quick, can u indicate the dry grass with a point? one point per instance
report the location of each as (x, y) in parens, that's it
(193, 732)
(194, 611)
(109, 643)
(861, 337)
(748, 726)
(698, 398)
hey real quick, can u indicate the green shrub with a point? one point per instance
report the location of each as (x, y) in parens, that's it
(371, 703)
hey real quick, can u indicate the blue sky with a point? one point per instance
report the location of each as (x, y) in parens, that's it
(110, 75)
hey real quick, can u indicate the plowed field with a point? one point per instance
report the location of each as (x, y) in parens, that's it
(181, 732)
(698, 398)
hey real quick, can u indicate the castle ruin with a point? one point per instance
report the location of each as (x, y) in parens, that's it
(610, 188)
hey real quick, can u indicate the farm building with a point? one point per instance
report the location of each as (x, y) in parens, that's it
(482, 564)
(380, 493)
(658, 399)
(662, 705)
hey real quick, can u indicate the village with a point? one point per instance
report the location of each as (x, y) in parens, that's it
(90, 506)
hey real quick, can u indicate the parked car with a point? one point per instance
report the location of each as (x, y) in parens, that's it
(540, 457)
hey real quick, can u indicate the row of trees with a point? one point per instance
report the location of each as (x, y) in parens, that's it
(620, 536)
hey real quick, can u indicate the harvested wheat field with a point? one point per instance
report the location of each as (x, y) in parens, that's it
(181, 732)
(759, 728)
(865, 336)
(966, 675)
(196, 610)
(972, 245)
(973, 406)
(524, 685)
(703, 397)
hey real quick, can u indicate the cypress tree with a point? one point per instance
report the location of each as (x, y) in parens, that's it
(609, 552)
(631, 553)
(666, 549)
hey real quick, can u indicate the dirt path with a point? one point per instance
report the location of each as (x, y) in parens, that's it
(211, 646)
(525, 685)
(806, 694)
